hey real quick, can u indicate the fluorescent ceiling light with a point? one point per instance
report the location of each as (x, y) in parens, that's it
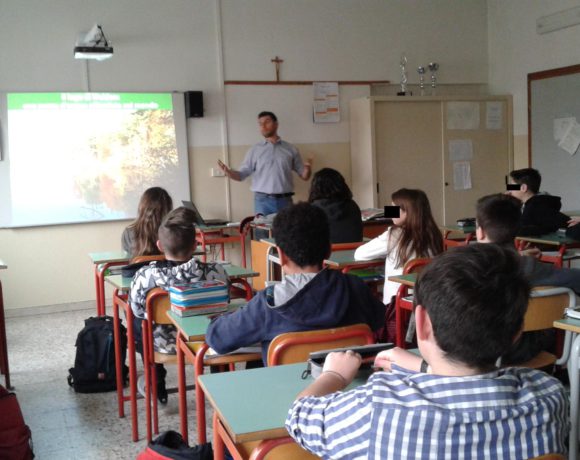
(558, 21)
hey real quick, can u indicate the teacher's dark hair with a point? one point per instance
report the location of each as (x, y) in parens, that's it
(268, 114)
(302, 232)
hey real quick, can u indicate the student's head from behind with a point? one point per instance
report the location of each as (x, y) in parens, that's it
(329, 184)
(420, 234)
(528, 179)
(268, 123)
(302, 234)
(471, 302)
(497, 219)
(177, 235)
(154, 205)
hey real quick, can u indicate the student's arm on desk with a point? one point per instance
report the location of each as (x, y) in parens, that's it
(374, 249)
(243, 327)
(312, 418)
(541, 274)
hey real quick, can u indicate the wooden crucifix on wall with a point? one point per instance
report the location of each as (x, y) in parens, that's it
(277, 61)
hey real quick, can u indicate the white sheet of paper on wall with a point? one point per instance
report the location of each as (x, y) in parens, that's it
(561, 125)
(494, 115)
(571, 138)
(460, 150)
(463, 115)
(461, 175)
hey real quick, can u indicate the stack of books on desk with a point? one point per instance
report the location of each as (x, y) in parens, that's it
(199, 298)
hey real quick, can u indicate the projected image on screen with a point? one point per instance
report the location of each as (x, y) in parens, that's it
(78, 157)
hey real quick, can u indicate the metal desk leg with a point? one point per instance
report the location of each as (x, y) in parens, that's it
(574, 396)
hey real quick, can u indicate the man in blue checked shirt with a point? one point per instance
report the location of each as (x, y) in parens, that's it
(453, 402)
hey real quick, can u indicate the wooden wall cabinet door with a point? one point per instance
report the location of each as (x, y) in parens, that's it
(405, 142)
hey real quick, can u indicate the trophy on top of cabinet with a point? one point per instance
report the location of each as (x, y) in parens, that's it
(404, 79)
(421, 71)
(433, 67)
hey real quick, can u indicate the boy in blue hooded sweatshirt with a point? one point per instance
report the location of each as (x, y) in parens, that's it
(308, 298)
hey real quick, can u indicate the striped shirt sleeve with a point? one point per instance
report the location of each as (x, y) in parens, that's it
(333, 426)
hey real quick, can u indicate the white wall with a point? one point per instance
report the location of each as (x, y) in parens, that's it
(515, 49)
(173, 45)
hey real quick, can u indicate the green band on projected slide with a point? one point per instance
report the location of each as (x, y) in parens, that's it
(131, 101)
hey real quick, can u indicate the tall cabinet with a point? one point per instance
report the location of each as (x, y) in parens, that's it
(455, 149)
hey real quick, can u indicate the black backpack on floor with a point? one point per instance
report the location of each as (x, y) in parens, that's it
(94, 369)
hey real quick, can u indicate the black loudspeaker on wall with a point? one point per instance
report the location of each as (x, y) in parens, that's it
(193, 104)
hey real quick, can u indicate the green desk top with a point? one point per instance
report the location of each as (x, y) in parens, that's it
(569, 324)
(214, 228)
(340, 259)
(109, 256)
(233, 271)
(555, 239)
(408, 280)
(457, 228)
(194, 327)
(574, 212)
(253, 404)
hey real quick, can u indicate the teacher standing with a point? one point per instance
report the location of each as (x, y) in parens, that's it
(270, 163)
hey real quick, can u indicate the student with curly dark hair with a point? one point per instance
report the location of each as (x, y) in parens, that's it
(308, 298)
(329, 192)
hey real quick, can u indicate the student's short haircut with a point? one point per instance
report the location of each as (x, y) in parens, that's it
(177, 232)
(302, 232)
(476, 297)
(529, 176)
(268, 114)
(499, 216)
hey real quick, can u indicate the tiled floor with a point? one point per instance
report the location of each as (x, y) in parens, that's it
(65, 424)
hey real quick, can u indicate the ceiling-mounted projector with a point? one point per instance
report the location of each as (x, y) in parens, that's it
(93, 45)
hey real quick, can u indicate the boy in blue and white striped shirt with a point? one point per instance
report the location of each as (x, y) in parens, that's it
(470, 303)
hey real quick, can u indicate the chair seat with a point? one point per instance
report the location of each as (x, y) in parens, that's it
(216, 360)
(165, 358)
(541, 360)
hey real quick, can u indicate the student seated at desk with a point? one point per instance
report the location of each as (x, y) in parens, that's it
(308, 298)
(497, 218)
(140, 237)
(414, 234)
(329, 192)
(177, 242)
(540, 213)
(453, 402)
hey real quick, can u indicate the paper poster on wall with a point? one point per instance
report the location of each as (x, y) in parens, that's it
(463, 115)
(326, 107)
(570, 138)
(461, 175)
(494, 115)
(460, 150)
(561, 125)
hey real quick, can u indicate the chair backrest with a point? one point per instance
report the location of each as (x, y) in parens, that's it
(415, 265)
(157, 305)
(245, 226)
(345, 246)
(547, 305)
(139, 259)
(294, 347)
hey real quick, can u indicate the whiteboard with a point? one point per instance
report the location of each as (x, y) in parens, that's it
(553, 95)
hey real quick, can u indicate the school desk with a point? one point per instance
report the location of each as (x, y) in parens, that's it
(559, 240)
(467, 235)
(407, 280)
(344, 260)
(121, 287)
(4, 367)
(102, 261)
(251, 405)
(572, 357)
(219, 235)
(193, 329)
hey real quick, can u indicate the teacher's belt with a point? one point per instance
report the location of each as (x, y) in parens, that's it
(277, 195)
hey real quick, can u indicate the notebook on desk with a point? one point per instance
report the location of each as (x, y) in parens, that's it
(200, 220)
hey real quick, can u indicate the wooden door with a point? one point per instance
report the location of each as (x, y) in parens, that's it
(489, 164)
(408, 150)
